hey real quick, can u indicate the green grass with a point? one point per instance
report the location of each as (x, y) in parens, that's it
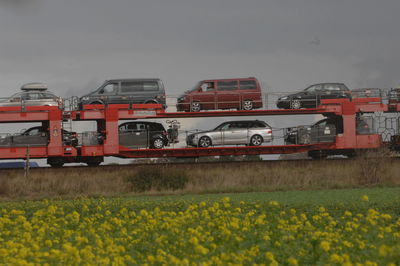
(384, 199)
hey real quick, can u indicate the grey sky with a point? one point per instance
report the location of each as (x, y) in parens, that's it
(73, 44)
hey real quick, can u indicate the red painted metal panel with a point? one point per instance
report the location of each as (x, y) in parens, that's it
(219, 151)
(92, 151)
(20, 152)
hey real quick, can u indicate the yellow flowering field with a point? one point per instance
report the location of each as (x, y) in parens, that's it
(192, 232)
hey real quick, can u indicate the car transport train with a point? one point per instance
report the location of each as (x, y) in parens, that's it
(125, 126)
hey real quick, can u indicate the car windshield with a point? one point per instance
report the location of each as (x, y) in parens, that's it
(14, 98)
(222, 126)
(196, 86)
(313, 88)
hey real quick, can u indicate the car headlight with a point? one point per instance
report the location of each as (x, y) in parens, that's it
(284, 98)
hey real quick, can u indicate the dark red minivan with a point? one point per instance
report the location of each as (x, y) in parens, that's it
(239, 93)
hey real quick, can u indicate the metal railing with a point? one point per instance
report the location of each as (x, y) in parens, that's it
(215, 101)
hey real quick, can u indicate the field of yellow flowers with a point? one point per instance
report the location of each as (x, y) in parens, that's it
(187, 231)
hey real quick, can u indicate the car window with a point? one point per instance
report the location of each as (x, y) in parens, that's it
(33, 132)
(247, 85)
(134, 86)
(128, 127)
(47, 96)
(243, 124)
(31, 96)
(141, 126)
(332, 87)
(258, 124)
(321, 123)
(208, 86)
(110, 88)
(156, 127)
(314, 88)
(227, 85)
(224, 126)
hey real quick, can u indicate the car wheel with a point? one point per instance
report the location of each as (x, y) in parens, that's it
(151, 102)
(195, 107)
(317, 155)
(256, 140)
(295, 104)
(157, 143)
(204, 142)
(92, 164)
(247, 105)
(56, 164)
(305, 139)
(96, 102)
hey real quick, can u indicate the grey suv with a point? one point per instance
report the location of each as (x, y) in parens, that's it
(126, 91)
(250, 132)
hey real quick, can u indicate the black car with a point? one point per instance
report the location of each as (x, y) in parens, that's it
(311, 96)
(140, 134)
(324, 130)
(37, 136)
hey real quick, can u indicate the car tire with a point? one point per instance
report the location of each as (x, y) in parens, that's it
(204, 142)
(195, 107)
(157, 143)
(256, 140)
(247, 105)
(151, 102)
(317, 155)
(92, 164)
(305, 139)
(295, 104)
(96, 102)
(56, 165)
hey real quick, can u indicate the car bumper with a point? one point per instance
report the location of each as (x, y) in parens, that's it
(283, 104)
(191, 141)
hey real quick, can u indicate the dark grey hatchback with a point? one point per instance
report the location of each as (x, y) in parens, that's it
(140, 134)
(311, 96)
(127, 91)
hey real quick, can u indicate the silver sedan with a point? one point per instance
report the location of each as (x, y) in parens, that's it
(33, 94)
(252, 132)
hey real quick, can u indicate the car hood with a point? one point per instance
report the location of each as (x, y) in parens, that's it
(293, 95)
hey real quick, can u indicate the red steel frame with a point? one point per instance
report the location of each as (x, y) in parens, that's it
(50, 114)
(111, 114)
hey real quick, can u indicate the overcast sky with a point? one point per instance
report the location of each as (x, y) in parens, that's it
(73, 45)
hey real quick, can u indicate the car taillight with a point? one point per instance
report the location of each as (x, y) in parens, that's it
(269, 131)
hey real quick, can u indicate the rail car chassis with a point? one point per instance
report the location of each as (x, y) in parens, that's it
(107, 118)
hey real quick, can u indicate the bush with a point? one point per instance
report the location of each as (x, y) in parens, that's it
(158, 178)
